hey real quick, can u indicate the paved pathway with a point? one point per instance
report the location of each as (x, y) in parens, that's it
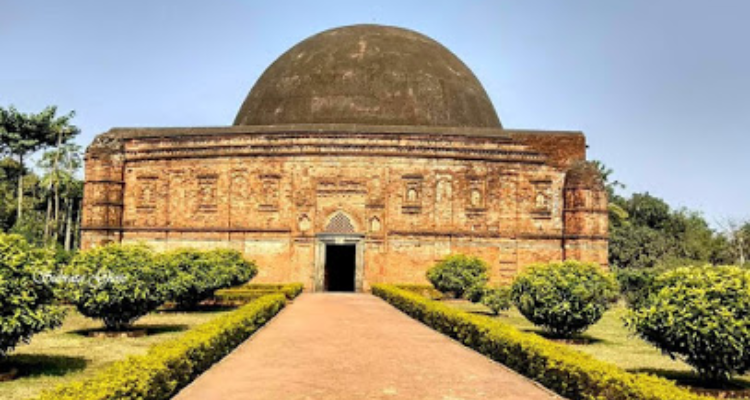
(355, 346)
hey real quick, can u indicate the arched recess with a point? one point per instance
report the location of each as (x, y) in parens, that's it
(340, 223)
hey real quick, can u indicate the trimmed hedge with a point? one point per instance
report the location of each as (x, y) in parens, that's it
(249, 292)
(170, 366)
(425, 290)
(570, 373)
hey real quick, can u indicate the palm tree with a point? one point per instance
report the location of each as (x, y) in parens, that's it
(60, 166)
(24, 134)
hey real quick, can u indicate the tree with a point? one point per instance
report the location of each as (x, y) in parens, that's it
(60, 166)
(737, 235)
(24, 134)
(606, 173)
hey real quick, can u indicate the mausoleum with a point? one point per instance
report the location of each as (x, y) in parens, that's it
(361, 155)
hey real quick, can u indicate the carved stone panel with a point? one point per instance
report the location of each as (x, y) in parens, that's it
(269, 196)
(207, 193)
(146, 196)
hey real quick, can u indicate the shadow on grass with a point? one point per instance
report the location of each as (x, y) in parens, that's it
(734, 389)
(150, 329)
(33, 365)
(203, 308)
(578, 340)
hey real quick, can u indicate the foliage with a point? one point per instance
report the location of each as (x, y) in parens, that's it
(170, 366)
(428, 291)
(23, 134)
(635, 283)
(564, 298)
(458, 273)
(231, 268)
(570, 373)
(26, 300)
(496, 299)
(699, 314)
(195, 275)
(190, 276)
(250, 292)
(475, 293)
(117, 284)
(653, 234)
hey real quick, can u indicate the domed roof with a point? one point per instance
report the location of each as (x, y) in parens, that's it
(372, 75)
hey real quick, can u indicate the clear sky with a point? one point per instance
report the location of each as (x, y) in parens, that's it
(661, 88)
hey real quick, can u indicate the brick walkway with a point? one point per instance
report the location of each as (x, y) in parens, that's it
(355, 346)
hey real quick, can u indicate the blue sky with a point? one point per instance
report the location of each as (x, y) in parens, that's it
(661, 88)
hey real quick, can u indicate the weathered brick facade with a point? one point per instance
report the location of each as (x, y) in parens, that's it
(404, 196)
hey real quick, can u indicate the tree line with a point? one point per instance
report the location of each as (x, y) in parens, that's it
(645, 232)
(44, 203)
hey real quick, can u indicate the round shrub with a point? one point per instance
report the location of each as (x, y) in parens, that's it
(496, 299)
(701, 315)
(230, 268)
(564, 298)
(458, 273)
(26, 293)
(192, 277)
(117, 284)
(475, 293)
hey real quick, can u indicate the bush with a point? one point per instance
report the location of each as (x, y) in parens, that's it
(458, 273)
(564, 298)
(250, 292)
(700, 315)
(475, 293)
(195, 275)
(171, 365)
(231, 268)
(191, 279)
(117, 284)
(496, 299)
(572, 374)
(26, 297)
(635, 283)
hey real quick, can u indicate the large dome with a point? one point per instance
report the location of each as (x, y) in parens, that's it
(372, 75)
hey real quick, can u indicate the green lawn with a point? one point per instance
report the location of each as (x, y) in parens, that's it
(610, 341)
(67, 353)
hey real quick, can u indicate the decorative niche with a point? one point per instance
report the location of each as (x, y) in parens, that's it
(412, 197)
(146, 193)
(541, 199)
(207, 193)
(269, 196)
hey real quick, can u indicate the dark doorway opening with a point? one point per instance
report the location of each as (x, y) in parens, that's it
(340, 267)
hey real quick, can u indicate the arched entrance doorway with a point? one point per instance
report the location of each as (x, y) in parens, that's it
(339, 261)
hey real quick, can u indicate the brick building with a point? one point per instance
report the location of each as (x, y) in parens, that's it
(362, 155)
